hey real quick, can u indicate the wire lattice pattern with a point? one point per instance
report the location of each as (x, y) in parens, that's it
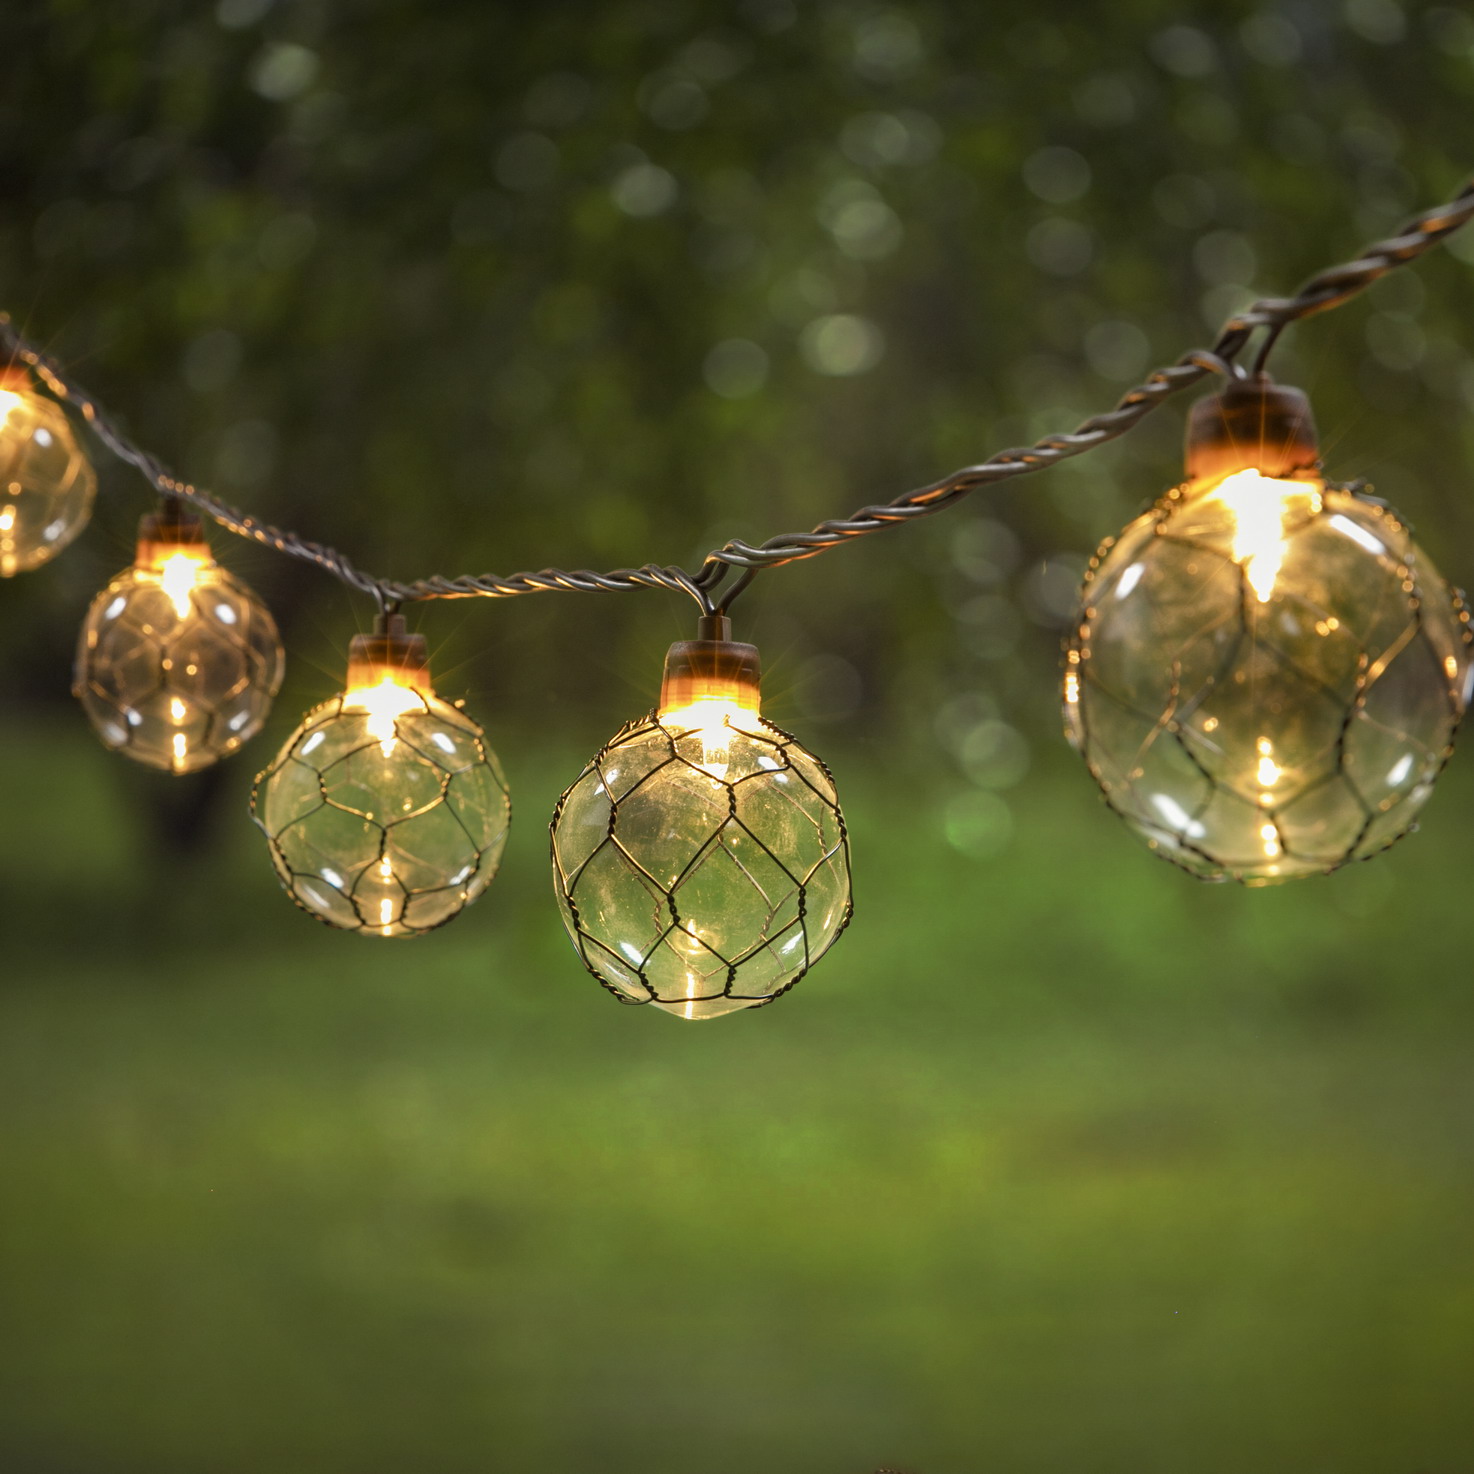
(46, 483)
(384, 826)
(701, 870)
(1264, 712)
(1327, 289)
(177, 680)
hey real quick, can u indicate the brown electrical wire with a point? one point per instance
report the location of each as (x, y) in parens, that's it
(1327, 289)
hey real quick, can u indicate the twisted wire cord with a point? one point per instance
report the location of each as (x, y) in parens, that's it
(1327, 289)
(21, 350)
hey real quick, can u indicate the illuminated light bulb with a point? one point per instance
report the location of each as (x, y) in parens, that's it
(711, 721)
(386, 811)
(46, 481)
(1267, 673)
(1260, 508)
(700, 860)
(178, 661)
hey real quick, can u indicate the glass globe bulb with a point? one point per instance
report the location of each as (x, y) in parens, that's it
(46, 482)
(386, 811)
(1267, 674)
(178, 661)
(700, 860)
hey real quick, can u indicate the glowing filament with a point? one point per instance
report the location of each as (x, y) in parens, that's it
(1072, 688)
(1271, 837)
(181, 748)
(711, 721)
(177, 710)
(7, 518)
(178, 574)
(383, 704)
(8, 402)
(1258, 505)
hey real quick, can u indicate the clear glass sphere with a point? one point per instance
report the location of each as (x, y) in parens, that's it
(701, 869)
(1267, 677)
(385, 819)
(46, 482)
(177, 667)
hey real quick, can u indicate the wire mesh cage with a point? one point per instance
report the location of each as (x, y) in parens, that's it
(46, 482)
(178, 676)
(1263, 694)
(702, 870)
(385, 824)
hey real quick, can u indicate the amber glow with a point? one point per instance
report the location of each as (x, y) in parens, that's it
(8, 401)
(177, 570)
(383, 703)
(711, 708)
(179, 576)
(1260, 506)
(712, 720)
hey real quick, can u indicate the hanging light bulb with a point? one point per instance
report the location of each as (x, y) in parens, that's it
(1267, 673)
(46, 482)
(386, 811)
(700, 860)
(178, 660)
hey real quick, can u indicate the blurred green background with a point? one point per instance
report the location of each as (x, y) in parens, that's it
(1060, 1162)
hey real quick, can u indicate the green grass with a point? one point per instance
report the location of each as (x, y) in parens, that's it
(1059, 1163)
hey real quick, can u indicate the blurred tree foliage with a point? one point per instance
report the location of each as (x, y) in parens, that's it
(1068, 1164)
(465, 287)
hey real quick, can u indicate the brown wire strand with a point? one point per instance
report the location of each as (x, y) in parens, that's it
(1325, 290)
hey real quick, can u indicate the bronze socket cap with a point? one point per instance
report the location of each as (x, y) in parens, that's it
(389, 654)
(1252, 425)
(172, 525)
(168, 532)
(712, 668)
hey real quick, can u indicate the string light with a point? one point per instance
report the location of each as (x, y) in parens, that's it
(46, 482)
(386, 812)
(1266, 678)
(700, 859)
(178, 661)
(1268, 672)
